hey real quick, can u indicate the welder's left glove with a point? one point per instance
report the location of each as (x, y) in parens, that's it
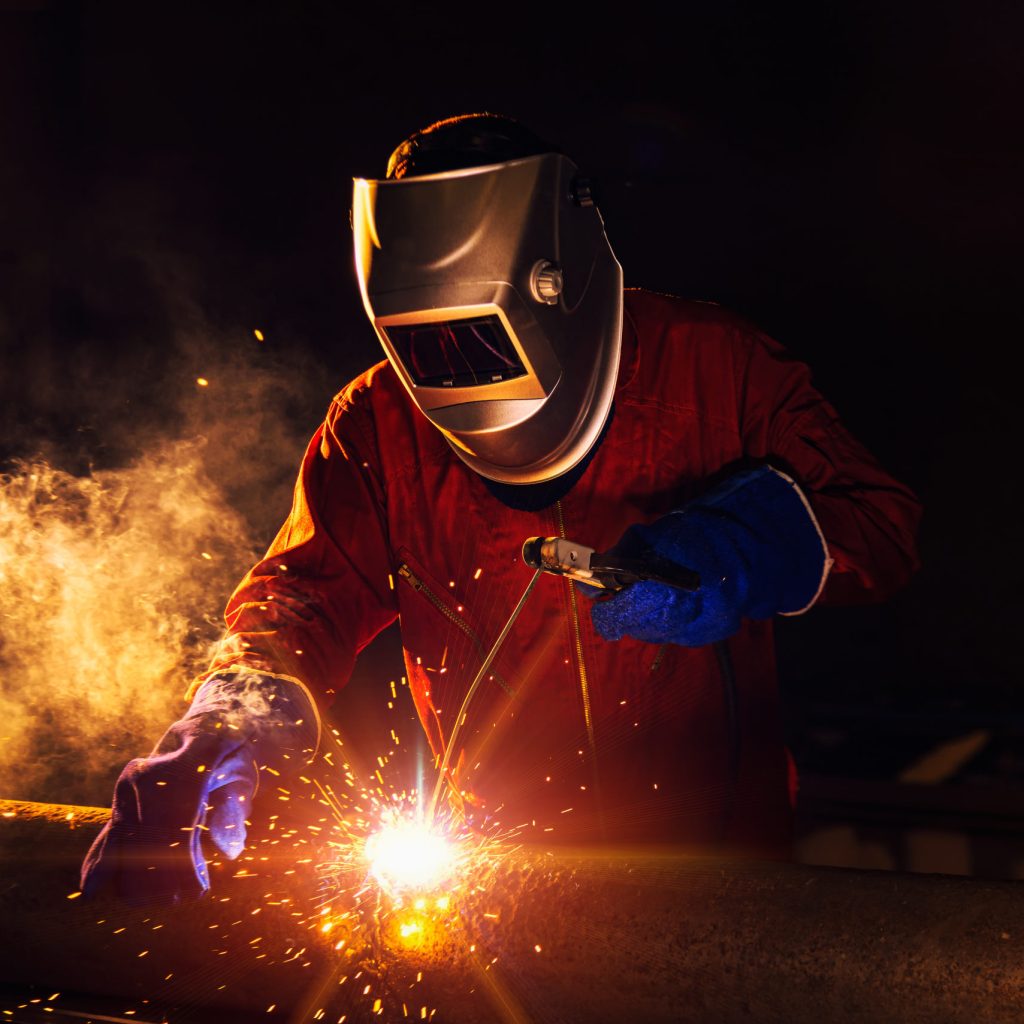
(756, 546)
(200, 781)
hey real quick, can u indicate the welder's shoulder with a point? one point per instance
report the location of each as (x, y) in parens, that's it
(689, 337)
(683, 320)
(366, 389)
(372, 406)
(377, 393)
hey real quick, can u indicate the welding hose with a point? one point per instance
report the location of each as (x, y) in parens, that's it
(731, 700)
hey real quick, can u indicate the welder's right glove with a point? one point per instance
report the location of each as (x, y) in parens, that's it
(754, 542)
(200, 780)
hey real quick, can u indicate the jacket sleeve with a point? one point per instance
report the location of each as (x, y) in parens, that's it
(868, 519)
(324, 589)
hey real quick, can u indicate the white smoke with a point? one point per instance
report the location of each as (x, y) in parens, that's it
(111, 590)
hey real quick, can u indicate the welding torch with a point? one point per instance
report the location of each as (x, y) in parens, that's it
(611, 572)
(607, 571)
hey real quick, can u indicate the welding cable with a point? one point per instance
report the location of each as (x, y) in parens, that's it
(731, 699)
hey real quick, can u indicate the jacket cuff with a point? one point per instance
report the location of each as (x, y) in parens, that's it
(262, 702)
(827, 560)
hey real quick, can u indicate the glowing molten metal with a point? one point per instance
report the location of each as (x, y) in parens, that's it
(407, 855)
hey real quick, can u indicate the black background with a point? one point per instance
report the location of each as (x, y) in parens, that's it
(844, 174)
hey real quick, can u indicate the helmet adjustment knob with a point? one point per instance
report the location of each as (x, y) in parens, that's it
(582, 191)
(546, 282)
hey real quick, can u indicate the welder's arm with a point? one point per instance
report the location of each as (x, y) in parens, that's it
(753, 541)
(817, 519)
(869, 519)
(324, 590)
(295, 625)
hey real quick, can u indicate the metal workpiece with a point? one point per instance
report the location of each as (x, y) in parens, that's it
(189, 961)
(530, 936)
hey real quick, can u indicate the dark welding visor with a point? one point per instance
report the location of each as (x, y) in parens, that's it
(456, 353)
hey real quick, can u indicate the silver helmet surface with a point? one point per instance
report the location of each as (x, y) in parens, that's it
(498, 301)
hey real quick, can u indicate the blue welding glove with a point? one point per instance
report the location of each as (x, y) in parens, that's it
(757, 548)
(200, 780)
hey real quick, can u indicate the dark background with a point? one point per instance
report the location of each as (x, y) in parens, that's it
(847, 175)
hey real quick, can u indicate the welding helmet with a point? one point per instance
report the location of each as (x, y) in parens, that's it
(496, 296)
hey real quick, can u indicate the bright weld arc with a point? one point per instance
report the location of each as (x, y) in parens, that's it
(417, 863)
(409, 855)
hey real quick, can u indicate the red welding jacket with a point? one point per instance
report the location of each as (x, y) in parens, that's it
(575, 738)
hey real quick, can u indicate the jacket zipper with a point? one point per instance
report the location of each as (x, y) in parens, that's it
(421, 588)
(584, 685)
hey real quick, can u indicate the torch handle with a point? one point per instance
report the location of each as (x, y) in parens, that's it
(609, 570)
(618, 572)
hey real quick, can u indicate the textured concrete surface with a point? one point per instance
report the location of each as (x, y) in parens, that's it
(534, 936)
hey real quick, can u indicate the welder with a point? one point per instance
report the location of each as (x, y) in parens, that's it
(525, 393)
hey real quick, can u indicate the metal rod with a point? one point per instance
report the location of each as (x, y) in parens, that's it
(461, 717)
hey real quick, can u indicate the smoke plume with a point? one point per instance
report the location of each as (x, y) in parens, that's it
(112, 587)
(149, 440)
(115, 568)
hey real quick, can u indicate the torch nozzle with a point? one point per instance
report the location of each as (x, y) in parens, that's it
(557, 555)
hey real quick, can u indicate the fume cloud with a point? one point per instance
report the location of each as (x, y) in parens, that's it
(111, 587)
